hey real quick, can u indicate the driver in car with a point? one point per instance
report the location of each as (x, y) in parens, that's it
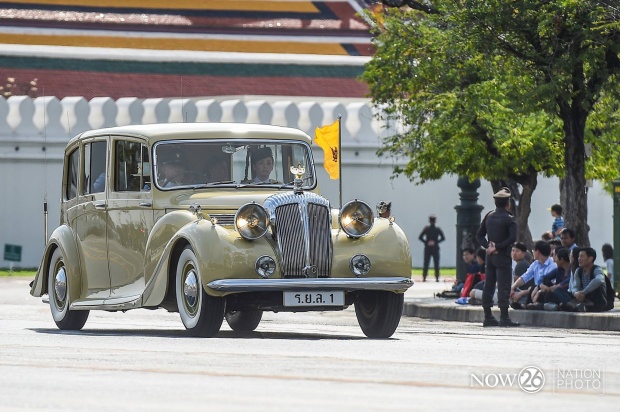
(171, 171)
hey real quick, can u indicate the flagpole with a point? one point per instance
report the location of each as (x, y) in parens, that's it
(340, 159)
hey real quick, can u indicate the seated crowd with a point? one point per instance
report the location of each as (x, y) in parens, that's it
(560, 276)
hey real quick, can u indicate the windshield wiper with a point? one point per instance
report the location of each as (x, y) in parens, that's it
(210, 184)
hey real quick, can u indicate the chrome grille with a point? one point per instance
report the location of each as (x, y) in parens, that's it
(302, 224)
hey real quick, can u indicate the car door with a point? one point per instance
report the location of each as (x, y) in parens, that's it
(89, 219)
(130, 216)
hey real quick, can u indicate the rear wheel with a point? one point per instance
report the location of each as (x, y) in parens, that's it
(201, 314)
(378, 312)
(244, 320)
(60, 299)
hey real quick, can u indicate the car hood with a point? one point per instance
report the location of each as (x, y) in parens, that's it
(220, 200)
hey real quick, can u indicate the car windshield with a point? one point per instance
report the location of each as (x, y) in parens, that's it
(204, 164)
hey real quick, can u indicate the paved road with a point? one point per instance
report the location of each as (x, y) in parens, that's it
(142, 360)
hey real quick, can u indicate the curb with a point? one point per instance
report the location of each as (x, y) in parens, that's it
(449, 311)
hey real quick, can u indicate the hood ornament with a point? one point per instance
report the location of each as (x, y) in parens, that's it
(299, 181)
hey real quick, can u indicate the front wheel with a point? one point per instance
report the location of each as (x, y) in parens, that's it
(244, 320)
(201, 314)
(60, 298)
(378, 312)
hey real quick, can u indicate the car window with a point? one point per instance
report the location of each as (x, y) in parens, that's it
(234, 163)
(132, 167)
(94, 167)
(73, 167)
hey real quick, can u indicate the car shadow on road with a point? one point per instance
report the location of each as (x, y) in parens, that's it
(176, 334)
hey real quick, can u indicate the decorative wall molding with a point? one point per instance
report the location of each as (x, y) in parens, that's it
(46, 121)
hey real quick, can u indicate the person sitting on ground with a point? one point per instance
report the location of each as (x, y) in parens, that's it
(471, 266)
(520, 264)
(588, 283)
(555, 244)
(547, 236)
(608, 257)
(521, 289)
(558, 220)
(475, 295)
(556, 280)
(567, 237)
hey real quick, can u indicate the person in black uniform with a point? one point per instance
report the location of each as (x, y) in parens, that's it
(431, 236)
(497, 233)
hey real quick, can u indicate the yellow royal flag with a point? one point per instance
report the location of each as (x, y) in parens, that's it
(327, 138)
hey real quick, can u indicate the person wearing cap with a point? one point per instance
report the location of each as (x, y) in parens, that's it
(262, 165)
(431, 236)
(558, 220)
(497, 233)
(170, 171)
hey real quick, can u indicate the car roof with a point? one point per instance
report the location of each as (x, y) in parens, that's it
(191, 131)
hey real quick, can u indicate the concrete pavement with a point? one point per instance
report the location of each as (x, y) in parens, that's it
(420, 301)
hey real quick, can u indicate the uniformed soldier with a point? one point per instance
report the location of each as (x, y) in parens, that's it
(497, 233)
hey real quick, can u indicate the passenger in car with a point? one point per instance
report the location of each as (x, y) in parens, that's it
(217, 169)
(262, 165)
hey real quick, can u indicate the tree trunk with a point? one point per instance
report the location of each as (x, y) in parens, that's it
(528, 184)
(576, 207)
(521, 203)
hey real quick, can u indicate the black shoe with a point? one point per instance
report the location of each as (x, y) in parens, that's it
(490, 322)
(580, 307)
(535, 306)
(436, 279)
(516, 305)
(506, 322)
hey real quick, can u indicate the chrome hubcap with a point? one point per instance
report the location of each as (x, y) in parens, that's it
(60, 285)
(190, 290)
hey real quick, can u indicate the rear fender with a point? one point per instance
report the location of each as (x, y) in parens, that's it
(62, 238)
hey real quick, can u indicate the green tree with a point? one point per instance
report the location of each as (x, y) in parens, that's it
(501, 90)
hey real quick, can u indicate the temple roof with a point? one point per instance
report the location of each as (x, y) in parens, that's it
(187, 48)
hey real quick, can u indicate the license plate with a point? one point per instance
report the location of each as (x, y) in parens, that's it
(315, 298)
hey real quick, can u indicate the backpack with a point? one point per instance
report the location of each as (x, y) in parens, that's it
(610, 294)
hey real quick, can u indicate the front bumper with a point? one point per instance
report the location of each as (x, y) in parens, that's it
(346, 284)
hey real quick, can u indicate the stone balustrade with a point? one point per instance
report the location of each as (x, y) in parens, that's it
(28, 123)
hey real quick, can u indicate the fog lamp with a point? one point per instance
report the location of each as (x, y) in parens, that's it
(265, 266)
(359, 265)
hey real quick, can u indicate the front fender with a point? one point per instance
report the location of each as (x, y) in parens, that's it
(62, 238)
(221, 254)
(385, 245)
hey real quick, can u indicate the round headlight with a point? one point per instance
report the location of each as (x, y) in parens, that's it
(359, 265)
(356, 218)
(251, 221)
(265, 266)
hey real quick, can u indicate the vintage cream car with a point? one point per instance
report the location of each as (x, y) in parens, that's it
(214, 221)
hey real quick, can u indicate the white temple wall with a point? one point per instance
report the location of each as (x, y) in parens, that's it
(33, 134)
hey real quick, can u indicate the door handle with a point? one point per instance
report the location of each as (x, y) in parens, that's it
(146, 204)
(100, 205)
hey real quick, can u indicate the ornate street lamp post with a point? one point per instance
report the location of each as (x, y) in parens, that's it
(467, 221)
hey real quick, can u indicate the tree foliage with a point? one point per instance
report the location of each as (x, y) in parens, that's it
(501, 90)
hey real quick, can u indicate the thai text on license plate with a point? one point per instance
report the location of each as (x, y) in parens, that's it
(314, 298)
